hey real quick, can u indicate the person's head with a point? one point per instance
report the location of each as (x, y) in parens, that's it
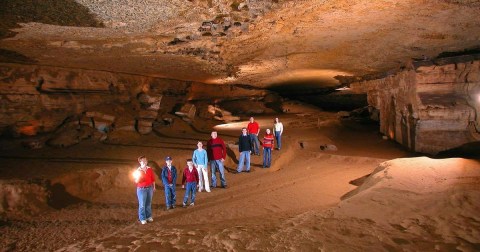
(168, 160)
(214, 134)
(251, 119)
(276, 119)
(268, 131)
(142, 160)
(189, 163)
(199, 144)
(244, 131)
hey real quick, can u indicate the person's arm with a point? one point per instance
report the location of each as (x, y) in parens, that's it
(205, 159)
(281, 128)
(258, 126)
(224, 147)
(184, 177)
(195, 173)
(152, 177)
(174, 175)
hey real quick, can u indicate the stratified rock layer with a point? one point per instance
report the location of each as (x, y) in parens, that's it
(430, 109)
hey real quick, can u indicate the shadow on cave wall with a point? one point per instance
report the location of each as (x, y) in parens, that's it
(14, 57)
(468, 150)
(326, 98)
(60, 198)
(55, 12)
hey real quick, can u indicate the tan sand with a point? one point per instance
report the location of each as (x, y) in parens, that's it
(304, 202)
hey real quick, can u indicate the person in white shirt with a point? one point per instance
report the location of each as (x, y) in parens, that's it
(277, 132)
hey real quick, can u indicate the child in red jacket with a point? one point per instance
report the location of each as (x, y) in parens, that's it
(190, 175)
(267, 149)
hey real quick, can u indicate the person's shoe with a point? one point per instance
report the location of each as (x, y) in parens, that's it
(237, 172)
(200, 190)
(184, 205)
(173, 206)
(192, 204)
(248, 171)
(168, 208)
(150, 219)
(224, 187)
(208, 191)
(143, 222)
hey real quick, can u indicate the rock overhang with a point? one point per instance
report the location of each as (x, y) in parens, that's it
(256, 43)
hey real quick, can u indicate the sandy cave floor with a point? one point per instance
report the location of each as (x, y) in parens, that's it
(294, 205)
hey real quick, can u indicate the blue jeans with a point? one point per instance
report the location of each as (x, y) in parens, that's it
(214, 165)
(278, 139)
(170, 195)
(267, 157)
(255, 144)
(244, 158)
(191, 188)
(144, 195)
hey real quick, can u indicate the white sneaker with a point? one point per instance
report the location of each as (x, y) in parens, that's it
(192, 204)
(143, 222)
(208, 190)
(150, 219)
(200, 190)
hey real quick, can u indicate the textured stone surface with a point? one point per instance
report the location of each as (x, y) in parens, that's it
(37, 99)
(429, 109)
(261, 43)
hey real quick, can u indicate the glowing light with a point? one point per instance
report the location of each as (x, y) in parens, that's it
(136, 175)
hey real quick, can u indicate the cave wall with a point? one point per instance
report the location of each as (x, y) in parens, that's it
(429, 108)
(38, 99)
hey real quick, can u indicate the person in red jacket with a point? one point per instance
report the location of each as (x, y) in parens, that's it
(217, 152)
(145, 180)
(253, 130)
(190, 175)
(267, 148)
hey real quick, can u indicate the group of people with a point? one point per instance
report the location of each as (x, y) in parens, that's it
(248, 143)
(195, 174)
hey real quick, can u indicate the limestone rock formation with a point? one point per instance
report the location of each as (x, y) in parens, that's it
(428, 109)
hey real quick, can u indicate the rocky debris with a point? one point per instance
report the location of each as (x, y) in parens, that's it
(187, 112)
(19, 198)
(221, 114)
(328, 147)
(102, 122)
(33, 143)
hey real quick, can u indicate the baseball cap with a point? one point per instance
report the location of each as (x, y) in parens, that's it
(168, 158)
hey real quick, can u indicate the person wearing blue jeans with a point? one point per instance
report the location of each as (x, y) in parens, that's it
(145, 195)
(190, 177)
(217, 151)
(145, 180)
(218, 165)
(245, 148)
(169, 178)
(267, 148)
(278, 131)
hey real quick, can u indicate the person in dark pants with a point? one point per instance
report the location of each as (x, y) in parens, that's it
(253, 130)
(245, 149)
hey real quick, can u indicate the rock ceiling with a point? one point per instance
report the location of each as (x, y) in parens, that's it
(261, 43)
